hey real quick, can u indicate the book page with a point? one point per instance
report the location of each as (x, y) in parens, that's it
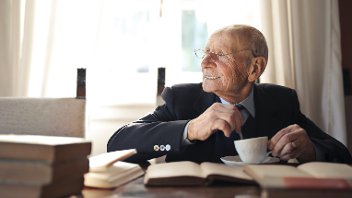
(327, 170)
(259, 172)
(102, 162)
(209, 168)
(118, 168)
(174, 169)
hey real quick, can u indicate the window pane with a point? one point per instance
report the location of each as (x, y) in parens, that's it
(189, 23)
(124, 42)
(194, 33)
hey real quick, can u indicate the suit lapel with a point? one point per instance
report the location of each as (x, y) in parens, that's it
(204, 101)
(267, 122)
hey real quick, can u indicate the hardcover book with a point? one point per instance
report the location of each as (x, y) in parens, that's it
(312, 175)
(62, 188)
(186, 173)
(108, 171)
(37, 173)
(50, 149)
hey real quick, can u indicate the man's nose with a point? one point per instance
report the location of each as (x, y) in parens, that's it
(207, 61)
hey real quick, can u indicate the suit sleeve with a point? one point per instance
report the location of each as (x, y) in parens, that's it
(328, 147)
(154, 135)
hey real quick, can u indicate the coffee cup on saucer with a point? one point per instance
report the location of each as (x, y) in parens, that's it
(252, 150)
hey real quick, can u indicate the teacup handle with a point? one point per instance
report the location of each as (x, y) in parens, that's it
(268, 153)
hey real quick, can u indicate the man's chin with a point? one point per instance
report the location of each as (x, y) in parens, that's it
(209, 88)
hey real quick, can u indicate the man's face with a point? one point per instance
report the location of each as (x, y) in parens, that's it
(225, 75)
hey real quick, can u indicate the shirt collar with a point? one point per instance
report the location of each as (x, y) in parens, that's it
(248, 103)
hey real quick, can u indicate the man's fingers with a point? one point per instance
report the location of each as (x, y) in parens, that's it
(232, 116)
(287, 136)
(220, 117)
(295, 143)
(222, 108)
(221, 125)
(279, 146)
(289, 151)
(275, 139)
(238, 120)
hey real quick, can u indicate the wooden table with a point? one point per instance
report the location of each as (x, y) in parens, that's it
(136, 188)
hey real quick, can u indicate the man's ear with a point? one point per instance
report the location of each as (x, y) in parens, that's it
(256, 68)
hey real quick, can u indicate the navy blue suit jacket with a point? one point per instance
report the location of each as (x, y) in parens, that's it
(276, 107)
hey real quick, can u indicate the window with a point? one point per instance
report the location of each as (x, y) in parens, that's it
(122, 43)
(135, 37)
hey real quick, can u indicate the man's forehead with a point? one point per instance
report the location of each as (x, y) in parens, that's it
(225, 39)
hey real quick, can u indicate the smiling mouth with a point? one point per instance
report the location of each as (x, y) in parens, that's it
(211, 77)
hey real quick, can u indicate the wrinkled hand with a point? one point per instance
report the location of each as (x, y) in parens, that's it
(225, 118)
(292, 142)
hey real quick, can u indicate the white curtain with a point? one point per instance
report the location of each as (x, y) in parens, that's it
(24, 60)
(14, 50)
(40, 49)
(305, 54)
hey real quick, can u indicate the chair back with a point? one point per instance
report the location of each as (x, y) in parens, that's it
(160, 85)
(45, 116)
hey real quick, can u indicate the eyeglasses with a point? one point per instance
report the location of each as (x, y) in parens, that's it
(200, 53)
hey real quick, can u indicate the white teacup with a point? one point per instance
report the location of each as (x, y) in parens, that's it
(252, 150)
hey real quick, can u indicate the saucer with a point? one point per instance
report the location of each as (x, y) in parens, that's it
(236, 160)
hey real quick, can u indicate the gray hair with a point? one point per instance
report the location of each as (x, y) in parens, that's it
(253, 37)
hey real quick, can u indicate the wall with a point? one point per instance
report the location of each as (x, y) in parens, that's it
(104, 122)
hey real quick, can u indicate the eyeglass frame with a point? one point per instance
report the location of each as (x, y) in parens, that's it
(214, 53)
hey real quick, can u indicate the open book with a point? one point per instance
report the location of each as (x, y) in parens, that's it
(108, 171)
(186, 173)
(312, 175)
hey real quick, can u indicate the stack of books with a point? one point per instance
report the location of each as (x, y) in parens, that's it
(42, 166)
(107, 170)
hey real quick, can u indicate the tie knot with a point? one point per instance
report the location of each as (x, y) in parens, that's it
(239, 106)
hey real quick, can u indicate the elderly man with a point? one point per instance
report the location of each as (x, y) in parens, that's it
(199, 122)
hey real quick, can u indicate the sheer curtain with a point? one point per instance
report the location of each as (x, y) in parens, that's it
(15, 41)
(305, 54)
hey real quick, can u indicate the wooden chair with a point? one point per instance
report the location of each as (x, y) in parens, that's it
(160, 85)
(45, 116)
(159, 101)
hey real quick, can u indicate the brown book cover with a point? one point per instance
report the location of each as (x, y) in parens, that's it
(63, 188)
(312, 175)
(186, 173)
(39, 173)
(50, 149)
